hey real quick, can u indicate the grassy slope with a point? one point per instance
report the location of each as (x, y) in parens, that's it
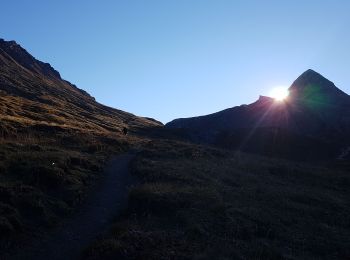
(46, 170)
(54, 139)
(200, 203)
(43, 179)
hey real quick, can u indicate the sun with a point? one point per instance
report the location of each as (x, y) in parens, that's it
(279, 93)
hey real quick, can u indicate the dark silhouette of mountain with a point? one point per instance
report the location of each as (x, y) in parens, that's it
(34, 96)
(314, 121)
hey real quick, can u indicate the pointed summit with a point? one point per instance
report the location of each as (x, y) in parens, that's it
(311, 77)
(312, 85)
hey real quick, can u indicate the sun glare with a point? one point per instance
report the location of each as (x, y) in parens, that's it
(279, 93)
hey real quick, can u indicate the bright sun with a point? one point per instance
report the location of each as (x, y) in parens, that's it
(279, 93)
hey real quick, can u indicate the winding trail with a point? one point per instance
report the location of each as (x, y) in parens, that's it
(92, 219)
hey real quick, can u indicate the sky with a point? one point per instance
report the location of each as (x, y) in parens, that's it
(180, 58)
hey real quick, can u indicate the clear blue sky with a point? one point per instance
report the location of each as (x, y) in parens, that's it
(179, 58)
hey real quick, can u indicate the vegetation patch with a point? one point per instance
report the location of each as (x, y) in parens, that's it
(196, 202)
(43, 179)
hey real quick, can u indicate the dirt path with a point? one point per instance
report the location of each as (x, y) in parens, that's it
(93, 219)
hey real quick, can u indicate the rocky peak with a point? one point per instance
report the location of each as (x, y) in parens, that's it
(311, 77)
(27, 61)
(265, 99)
(312, 86)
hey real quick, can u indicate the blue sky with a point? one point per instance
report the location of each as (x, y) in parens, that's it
(179, 58)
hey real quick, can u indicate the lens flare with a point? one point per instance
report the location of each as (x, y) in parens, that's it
(279, 93)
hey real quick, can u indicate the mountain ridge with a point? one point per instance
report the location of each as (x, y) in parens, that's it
(33, 93)
(23, 57)
(315, 110)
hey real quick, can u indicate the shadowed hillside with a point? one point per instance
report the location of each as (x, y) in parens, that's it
(201, 202)
(197, 202)
(54, 141)
(312, 123)
(192, 201)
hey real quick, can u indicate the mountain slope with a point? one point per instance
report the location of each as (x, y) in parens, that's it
(316, 114)
(197, 202)
(33, 93)
(54, 142)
